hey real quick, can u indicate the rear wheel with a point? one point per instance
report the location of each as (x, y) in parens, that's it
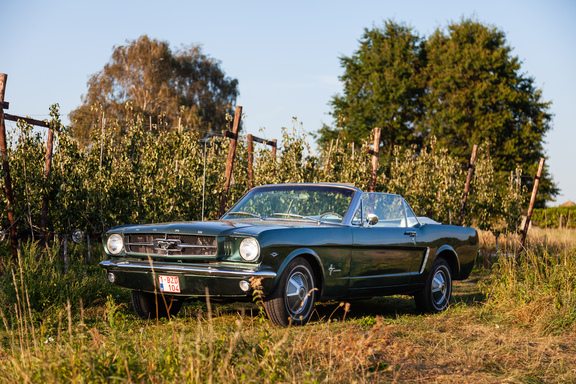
(292, 302)
(435, 296)
(154, 305)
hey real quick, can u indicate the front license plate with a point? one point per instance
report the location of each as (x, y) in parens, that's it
(169, 283)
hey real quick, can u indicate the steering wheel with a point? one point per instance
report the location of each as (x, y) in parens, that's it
(331, 213)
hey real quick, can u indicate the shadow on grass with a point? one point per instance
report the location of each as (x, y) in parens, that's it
(465, 292)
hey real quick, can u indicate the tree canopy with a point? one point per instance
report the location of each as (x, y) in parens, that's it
(382, 88)
(461, 85)
(146, 79)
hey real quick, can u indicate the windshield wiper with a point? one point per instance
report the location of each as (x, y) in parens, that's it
(246, 213)
(297, 216)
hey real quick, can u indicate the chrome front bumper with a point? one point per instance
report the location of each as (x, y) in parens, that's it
(195, 280)
(171, 268)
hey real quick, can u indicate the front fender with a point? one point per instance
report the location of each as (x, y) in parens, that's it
(312, 257)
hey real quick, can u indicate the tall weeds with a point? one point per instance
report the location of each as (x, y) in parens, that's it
(39, 279)
(538, 290)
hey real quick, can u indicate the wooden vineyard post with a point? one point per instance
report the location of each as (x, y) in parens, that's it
(250, 147)
(467, 186)
(274, 145)
(375, 158)
(230, 162)
(65, 252)
(530, 207)
(6, 169)
(47, 171)
(250, 139)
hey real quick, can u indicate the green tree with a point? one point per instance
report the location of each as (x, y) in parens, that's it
(462, 86)
(382, 88)
(146, 79)
(476, 93)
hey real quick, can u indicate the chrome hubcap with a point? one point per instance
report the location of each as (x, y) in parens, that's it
(439, 290)
(297, 290)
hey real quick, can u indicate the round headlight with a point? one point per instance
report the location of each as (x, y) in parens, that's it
(77, 236)
(115, 243)
(249, 249)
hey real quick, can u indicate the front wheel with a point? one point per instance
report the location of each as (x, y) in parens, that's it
(154, 305)
(435, 296)
(292, 302)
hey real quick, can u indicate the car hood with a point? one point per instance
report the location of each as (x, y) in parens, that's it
(247, 227)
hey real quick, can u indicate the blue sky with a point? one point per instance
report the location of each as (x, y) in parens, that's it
(285, 55)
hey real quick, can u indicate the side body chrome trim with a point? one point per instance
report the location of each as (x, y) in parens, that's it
(425, 260)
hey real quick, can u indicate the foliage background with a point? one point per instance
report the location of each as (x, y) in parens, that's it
(557, 217)
(158, 175)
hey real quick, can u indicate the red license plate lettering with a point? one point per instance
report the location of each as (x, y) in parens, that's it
(169, 283)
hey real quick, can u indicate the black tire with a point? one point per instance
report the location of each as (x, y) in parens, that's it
(436, 294)
(292, 302)
(154, 305)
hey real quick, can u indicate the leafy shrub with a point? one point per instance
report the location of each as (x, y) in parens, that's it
(146, 176)
(556, 217)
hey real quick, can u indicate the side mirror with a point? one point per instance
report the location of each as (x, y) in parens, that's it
(372, 219)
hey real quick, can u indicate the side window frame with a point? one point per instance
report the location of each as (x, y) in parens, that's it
(407, 211)
(379, 197)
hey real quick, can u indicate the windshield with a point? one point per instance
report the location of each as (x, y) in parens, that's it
(317, 203)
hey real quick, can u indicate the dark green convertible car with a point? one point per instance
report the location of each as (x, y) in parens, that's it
(297, 244)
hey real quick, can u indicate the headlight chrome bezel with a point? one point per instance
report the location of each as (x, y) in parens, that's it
(115, 244)
(249, 249)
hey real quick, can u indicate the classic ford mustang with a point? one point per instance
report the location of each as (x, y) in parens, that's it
(297, 244)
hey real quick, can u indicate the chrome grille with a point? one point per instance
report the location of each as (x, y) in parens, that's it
(161, 244)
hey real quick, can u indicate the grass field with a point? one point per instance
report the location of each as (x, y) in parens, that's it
(513, 323)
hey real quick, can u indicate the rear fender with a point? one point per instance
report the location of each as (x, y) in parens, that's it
(448, 253)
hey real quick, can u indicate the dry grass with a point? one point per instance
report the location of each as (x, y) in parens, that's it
(505, 326)
(560, 238)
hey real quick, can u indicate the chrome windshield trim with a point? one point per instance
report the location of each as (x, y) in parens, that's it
(121, 265)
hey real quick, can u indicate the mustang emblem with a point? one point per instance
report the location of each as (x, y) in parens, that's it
(167, 245)
(332, 269)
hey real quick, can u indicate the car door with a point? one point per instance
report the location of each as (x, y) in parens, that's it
(383, 252)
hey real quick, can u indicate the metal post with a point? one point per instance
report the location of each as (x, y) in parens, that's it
(375, 158)
(204, 180)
